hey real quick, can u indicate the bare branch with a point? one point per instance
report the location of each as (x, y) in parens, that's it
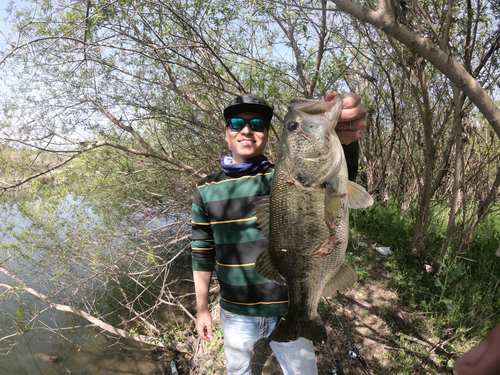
(96, 321)
(383, 18)
(36, 175)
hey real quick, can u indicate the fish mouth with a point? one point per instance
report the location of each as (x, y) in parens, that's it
(318, 157)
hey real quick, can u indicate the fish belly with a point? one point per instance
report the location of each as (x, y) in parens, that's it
(297, 249)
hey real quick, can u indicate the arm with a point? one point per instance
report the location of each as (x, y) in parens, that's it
(203, 258)
(351, 153)
(483, 359)
(203, 318)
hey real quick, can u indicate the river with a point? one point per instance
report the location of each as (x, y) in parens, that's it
(35, 339)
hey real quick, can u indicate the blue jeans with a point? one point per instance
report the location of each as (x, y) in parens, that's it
(242, 332)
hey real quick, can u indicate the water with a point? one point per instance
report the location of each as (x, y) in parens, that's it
(74, 351)
(72, 236)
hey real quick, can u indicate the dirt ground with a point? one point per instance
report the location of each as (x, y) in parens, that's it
(361, 313)
(368, 314)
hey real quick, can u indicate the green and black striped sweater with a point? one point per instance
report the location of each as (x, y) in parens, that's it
(225, 235)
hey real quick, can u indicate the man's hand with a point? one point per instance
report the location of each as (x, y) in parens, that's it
(483, 359)
(352, 119)
(203, 318)
(204, 325)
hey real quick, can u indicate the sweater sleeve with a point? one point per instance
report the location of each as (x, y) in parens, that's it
(351, 153)
(202, 240)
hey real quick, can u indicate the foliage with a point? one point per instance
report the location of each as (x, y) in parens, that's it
(465, 296)
(385, 224)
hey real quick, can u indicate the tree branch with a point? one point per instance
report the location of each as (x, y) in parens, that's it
(383, 19)
(95, 321)
(149, 151)
(36, 175)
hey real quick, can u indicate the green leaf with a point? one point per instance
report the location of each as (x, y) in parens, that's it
(20, 313)
(448, 304)
(449, 364)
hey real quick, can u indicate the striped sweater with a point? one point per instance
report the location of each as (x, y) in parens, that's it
(225, 235)
(225, 232)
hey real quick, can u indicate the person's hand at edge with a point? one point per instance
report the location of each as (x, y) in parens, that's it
(483, 359)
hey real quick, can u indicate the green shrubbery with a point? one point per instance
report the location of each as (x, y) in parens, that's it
(464, 296)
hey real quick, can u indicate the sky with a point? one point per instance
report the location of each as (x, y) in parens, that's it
(3, 16)
(4, 29)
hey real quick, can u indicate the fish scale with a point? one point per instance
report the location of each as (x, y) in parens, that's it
(305, 218)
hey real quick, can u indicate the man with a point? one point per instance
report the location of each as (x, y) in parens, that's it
(225, 233)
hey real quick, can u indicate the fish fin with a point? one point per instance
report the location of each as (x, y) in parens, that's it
(289, 329)
(357, 196)
(342, 281)
(265, 267)
(261, 206)
(334, 206)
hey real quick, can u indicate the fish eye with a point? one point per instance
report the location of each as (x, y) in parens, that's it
(292, 126)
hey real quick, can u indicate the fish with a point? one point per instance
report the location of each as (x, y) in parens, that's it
(306, 217)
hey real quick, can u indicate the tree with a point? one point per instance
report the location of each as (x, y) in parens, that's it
(469, 63)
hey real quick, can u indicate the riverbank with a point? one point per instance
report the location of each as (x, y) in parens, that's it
(394, 316)
(392, 339)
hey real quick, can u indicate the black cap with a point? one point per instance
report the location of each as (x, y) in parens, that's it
(248, 103)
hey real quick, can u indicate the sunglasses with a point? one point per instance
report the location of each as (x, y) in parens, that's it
(256, 124)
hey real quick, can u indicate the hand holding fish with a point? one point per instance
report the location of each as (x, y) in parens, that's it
(352, 118)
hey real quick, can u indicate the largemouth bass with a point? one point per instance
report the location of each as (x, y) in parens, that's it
(305, 218)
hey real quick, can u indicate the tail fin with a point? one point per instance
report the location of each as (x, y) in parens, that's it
(289, 329)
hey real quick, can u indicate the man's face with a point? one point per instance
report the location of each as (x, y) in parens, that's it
(246, 143)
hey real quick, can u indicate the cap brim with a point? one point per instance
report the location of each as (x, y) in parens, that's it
(231, 111)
